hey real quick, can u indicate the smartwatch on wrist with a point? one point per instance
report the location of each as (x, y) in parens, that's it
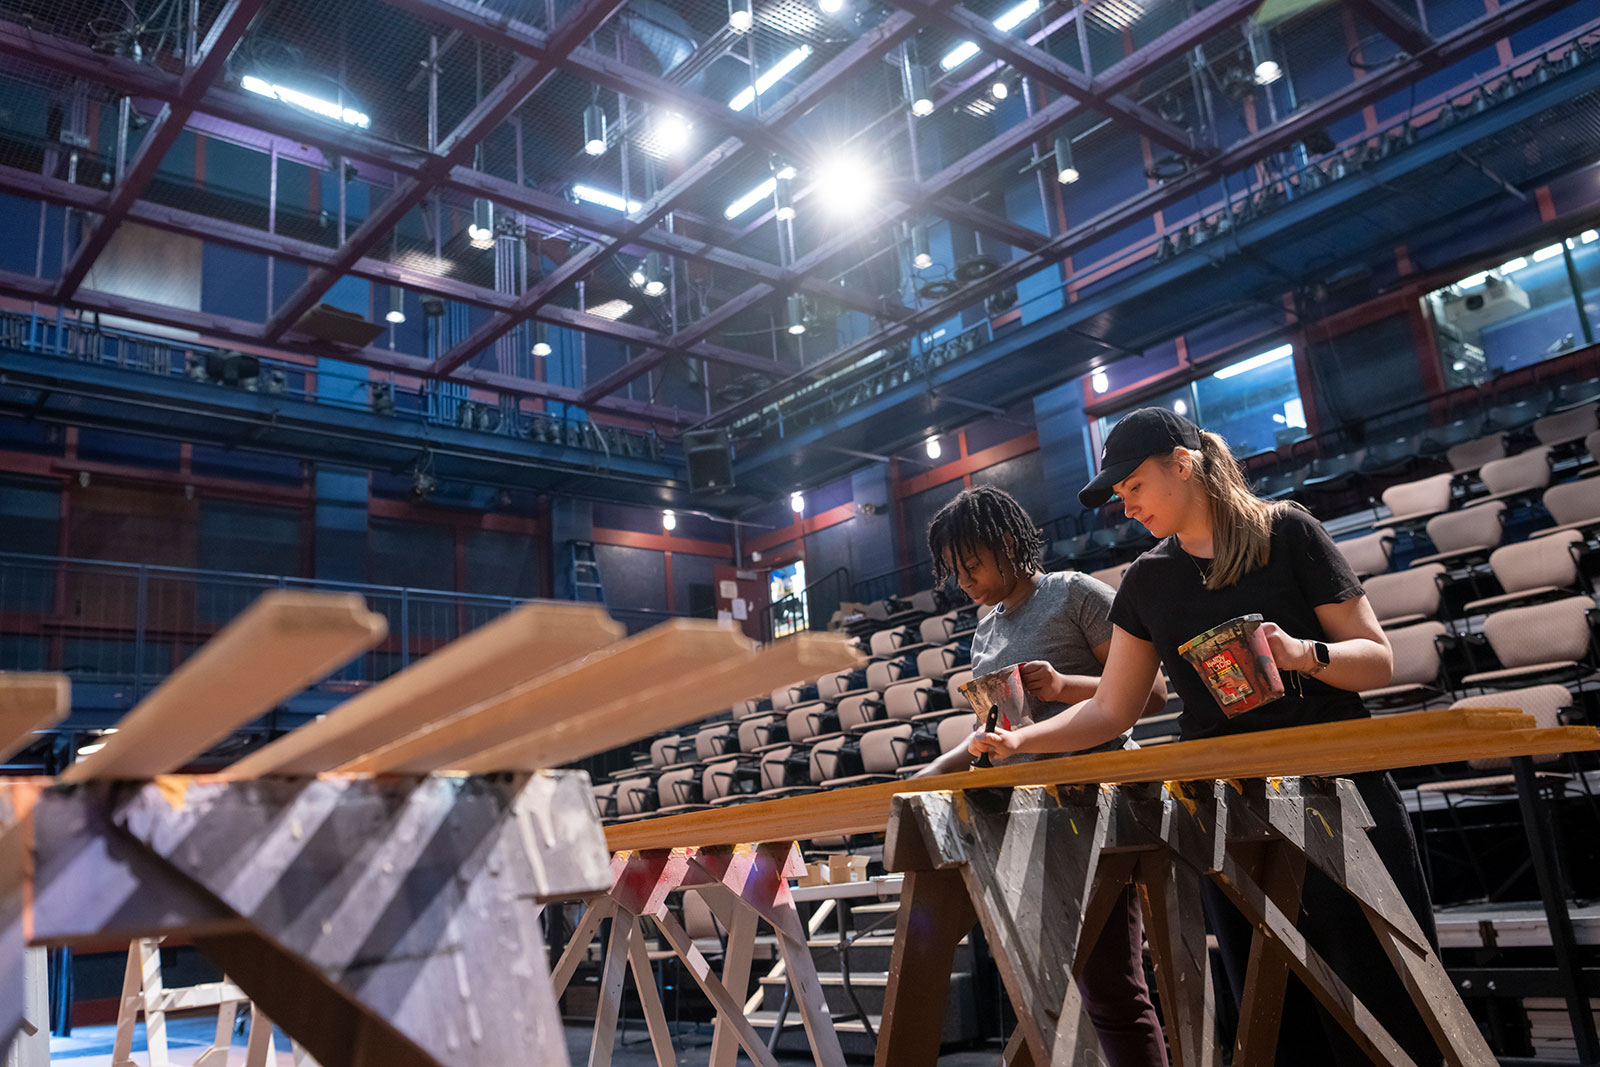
(1320, 651)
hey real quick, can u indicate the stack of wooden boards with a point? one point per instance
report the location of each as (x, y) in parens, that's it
(543, 685)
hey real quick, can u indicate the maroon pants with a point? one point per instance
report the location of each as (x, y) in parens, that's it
(1115, 993)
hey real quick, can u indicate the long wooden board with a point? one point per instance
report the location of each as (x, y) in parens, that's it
(573, 694)
(500, 656)
(1409, 740)
(282, 643)
(30, 702)
(667, 700)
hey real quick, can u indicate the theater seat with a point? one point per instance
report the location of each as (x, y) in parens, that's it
(1541, 642)
(1538, 569)
(1417, 667)
(1406, 596)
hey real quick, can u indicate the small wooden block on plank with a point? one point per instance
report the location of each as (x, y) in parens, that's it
(282, 643)
(639, 707)
(30, 702)
(487, 663)
(1341, 748)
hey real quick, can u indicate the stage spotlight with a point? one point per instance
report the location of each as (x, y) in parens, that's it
(741, 19)
(541, 341)
(921, 257)
(783, 194)
(481, 231)
(397, 306)
(796, 310)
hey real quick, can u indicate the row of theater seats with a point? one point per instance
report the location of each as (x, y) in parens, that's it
(873, 723)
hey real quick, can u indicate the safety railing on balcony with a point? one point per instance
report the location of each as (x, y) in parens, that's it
(84, 341)
(130, 625)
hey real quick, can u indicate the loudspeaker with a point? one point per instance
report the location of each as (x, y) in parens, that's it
(710, 460)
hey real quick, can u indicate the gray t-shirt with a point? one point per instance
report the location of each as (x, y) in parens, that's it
(1068, 615)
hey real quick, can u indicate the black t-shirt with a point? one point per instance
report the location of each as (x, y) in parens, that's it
(1163, 600)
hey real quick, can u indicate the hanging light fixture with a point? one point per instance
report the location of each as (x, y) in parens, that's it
(669, 521)
(481, 231)
(397, 305)
(916, 84)
(1066, 170)
(741, 19)
(796, 306)
(594, 130)
(541, 340)
(653, 283)
(1267, 69)
(783, 196)
(933, 448)
(921, 257)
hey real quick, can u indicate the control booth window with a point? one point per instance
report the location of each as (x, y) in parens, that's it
(1532, 307)
(1253, 402)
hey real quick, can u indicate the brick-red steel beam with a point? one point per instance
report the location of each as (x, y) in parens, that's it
(1060, 76)
(497, 105)
(225, 32)
(787, 110)
(1358, 94)
(1036, 127)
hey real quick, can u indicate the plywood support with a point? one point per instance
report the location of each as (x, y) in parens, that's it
(30, 702)
(382, 922)
(1039, 865)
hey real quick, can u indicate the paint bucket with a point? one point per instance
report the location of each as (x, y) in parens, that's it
(1235, 662)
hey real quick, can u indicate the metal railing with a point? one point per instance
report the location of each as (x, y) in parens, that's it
(130, 625)
(812, 607)
(86, 342)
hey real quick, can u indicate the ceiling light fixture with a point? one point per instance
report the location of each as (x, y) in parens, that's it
(1589, 235)
(830, 7)
(1266, 67)
(775, 74)
(783, 198)
(933, 448)
(481, 230)
(590, 194)
(921, 256)
(1099, 382)
(915, 79)
(594, 130)
(397, 305)
(797, 503)
(672, 132)
(326, 108)
(1066, 169)
(611, 309)
(740, 20)
(795, 307)
(749, 200)
(669, 521)
(1511, 265)
(1272, 355)
(541, 339)
(1005, 24)
(999, 90)
(1550, 252)
(845, 184)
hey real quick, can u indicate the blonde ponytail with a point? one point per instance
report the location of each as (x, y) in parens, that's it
(1241, 522)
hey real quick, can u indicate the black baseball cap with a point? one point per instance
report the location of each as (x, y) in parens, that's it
(1140, 435)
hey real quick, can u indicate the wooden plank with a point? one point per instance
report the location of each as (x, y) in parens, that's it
(1412, 739)
(609, 1005)
(740, 924)
(581, 694)
(30, 702)
(664, 701)
(495, 658)
(599, 909)
(728, 1007)
(282, 643)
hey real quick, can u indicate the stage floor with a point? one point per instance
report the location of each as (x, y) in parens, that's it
(90, 1046)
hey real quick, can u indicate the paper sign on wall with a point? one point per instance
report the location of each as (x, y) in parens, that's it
(741, 610)
(727, 590)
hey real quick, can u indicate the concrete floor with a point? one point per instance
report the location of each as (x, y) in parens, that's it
(187, 1038)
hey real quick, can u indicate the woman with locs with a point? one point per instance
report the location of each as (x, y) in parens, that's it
(1226, 553)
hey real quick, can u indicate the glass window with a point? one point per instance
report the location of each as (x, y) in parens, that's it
(1254, 402)
(787, 591)
(1524, 311)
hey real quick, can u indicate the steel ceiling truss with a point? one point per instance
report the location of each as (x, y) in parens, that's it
(420, 173)
(1400, 71)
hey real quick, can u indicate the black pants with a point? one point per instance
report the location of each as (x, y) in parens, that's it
(1114, 991)
(1337, 928)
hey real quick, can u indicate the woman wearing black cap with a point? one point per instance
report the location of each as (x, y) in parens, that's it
(1225, 553)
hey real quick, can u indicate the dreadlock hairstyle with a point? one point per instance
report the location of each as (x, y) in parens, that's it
(988, 517)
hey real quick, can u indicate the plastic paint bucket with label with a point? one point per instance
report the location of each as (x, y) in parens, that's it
(1235, 662)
